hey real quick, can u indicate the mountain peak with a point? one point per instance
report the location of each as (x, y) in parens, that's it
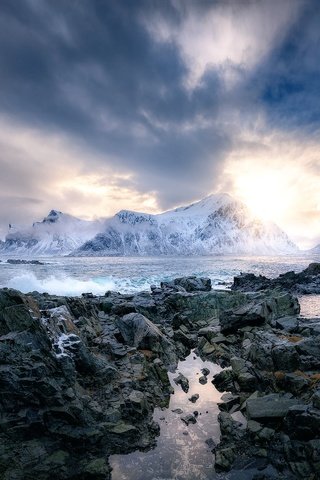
(207, 205)
(52, 217)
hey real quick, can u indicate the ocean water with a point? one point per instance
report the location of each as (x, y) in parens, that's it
(73, 276)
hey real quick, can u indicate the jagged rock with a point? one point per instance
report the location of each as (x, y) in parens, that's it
(252, 314)
(303, 422)
(182, 381)
(316, 399)
(189, 419)
(307, 281)
(211, 444)
(188, 284)
(194, 398)
(228, 402)
(138, 331)
(269, 407)
(289, 324)
(223, 381)
(224, 458)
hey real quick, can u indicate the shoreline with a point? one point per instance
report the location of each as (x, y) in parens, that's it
(82, 376)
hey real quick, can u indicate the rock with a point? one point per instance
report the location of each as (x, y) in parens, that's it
(228, 402)
(269, 407)
(203, 380)
(189, 419)
(251, 314)
(138, 331)
(223, 380)
(188, 284)
(211, 444)
(237, 364)
(224, 458)
(316, 399)
(289, 324)
(303, 422)
(307, 281)
(285, 357)
(182, 381)
(194, 398)
(177, 410)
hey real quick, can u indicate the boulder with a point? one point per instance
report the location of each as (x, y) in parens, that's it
(269, 407)
(138, 331)
(188, 284)
(250, 314)
(182, 381)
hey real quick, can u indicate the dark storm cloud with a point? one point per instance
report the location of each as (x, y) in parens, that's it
(90, 69)
(287, 84)
(93, 71)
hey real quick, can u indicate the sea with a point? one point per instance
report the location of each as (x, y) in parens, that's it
(76, 275)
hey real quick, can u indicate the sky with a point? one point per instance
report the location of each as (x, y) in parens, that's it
(150, 104)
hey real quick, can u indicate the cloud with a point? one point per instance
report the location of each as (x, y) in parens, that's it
(106, 105)
(231, 37)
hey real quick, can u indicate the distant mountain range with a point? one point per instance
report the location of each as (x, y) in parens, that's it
(57, 234)
(218, 224)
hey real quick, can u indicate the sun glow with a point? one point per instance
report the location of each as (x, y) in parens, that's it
(266, 192)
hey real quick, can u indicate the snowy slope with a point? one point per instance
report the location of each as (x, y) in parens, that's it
(58, 233)
(215, 225)
(315, 250)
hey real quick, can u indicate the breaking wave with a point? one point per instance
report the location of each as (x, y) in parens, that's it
(61, 285)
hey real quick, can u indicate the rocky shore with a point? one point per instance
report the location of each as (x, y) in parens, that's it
(305, 282)
(80, 377)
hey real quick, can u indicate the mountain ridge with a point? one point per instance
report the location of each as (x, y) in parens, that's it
(217, 224)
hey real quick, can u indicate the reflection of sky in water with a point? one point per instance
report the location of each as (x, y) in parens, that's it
(310, 306)
(179, 456)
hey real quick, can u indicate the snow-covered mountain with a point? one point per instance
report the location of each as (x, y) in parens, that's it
(315, 250)
(218, 224)
(58, 233)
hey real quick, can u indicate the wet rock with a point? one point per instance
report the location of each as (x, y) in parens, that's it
(307, 281)
(223, 380)
(203, 380)
(194, 398)
(187, 419)
(211, 444)
(188, 284)
(177, 410)
(182, 381)
(228, 402)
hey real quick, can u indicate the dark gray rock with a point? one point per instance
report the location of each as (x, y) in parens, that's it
(269, 407)
(138, 331)
(182, 381)
(203, 380)
(187, 419)
(194, 398)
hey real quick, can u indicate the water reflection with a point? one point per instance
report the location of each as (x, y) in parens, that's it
(310, 306)
(181, 452)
